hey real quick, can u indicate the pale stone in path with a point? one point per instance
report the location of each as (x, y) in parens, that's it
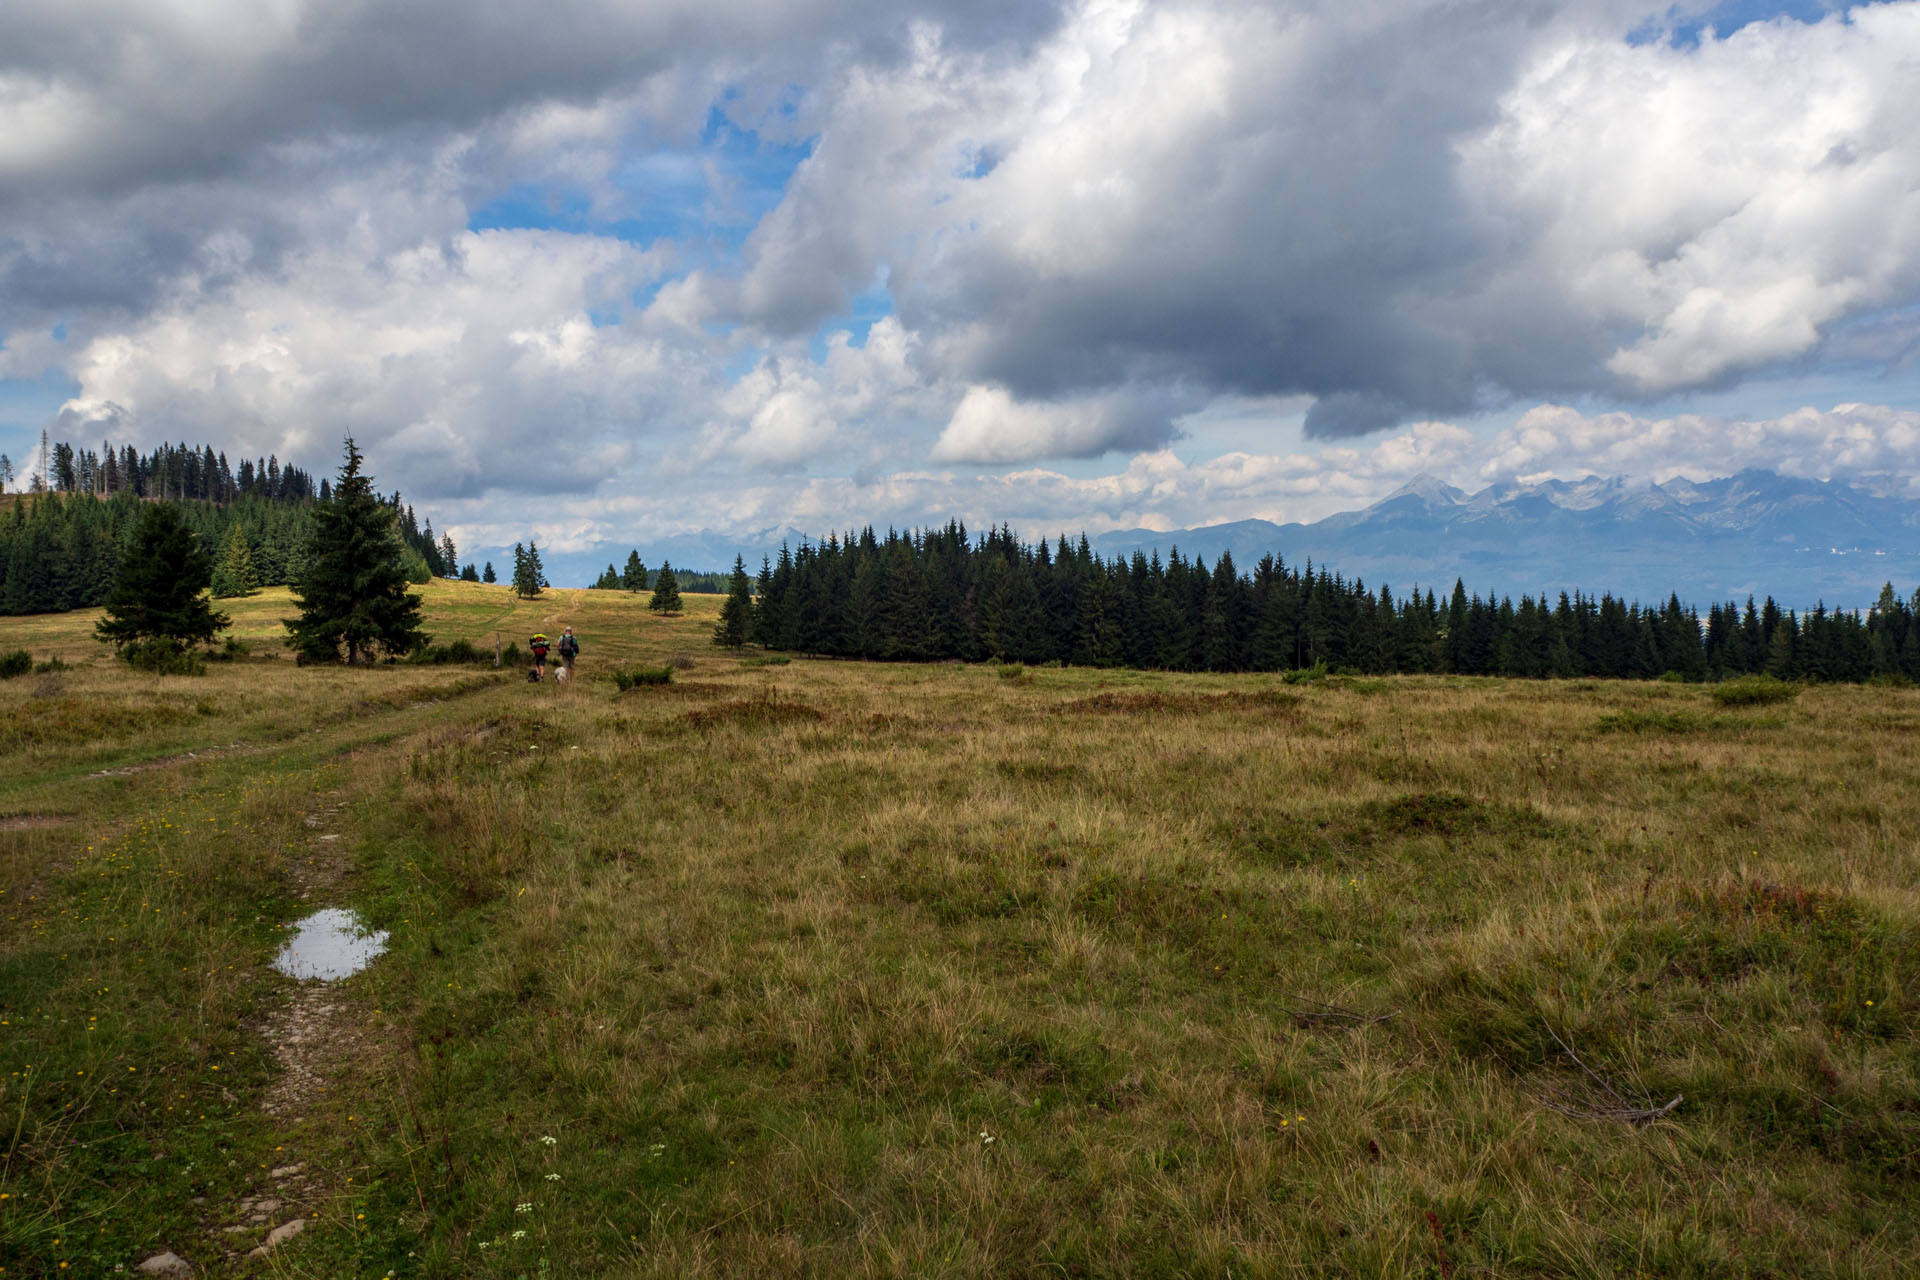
(279, 1236)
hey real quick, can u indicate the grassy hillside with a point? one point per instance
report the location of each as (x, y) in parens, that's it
(836, 968)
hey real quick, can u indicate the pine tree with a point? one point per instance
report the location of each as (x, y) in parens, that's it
(448, 559)
(156, 608)
(235, 575)
(353, 593)
(469, 574)
(487, 574)
(635, 578)
(6, 472)
(736, 615)
(608, 581)
(666, 591)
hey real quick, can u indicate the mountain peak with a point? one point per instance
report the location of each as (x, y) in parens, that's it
(1430, 489)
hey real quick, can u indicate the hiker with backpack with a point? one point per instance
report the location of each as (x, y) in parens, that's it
(538, 643)
(569, 649)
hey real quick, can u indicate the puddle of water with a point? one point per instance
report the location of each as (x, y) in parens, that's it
(329, 945)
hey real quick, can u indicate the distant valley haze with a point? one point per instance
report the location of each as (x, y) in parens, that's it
(1609, 295)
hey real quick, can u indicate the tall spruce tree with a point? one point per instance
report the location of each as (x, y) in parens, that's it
(736, 614)
(469, 574)
(157, 608)
(353, 594)
(487, 574)
(635, 578)
(666, 591)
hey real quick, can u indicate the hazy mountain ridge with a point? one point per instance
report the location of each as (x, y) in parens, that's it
(1802, 541)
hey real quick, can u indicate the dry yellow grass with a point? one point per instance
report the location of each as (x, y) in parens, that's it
(838, 968)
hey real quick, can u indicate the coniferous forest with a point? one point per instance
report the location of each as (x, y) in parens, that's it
(61, 544)
(937, 594)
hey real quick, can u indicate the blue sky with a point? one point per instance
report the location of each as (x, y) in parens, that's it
(1091, 265)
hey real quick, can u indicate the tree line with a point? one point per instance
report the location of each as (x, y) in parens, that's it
(637, 577)
(938, 594)
(60, 548)
(182, 472)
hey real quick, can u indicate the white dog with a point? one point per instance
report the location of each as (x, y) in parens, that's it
(560, 674)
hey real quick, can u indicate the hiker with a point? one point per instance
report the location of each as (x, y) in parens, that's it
(539, 646)
(569, 649)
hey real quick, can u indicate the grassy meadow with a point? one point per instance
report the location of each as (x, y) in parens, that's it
(837, 969)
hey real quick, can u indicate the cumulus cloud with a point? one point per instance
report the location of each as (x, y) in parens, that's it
(1082, 223)
(471, 367)
(1391, 208)
(989, 425)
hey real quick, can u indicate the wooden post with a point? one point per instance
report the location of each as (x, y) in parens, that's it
(496, 649)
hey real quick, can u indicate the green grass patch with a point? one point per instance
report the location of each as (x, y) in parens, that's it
(1753, 691)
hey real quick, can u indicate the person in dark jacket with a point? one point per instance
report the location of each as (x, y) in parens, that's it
(569, 648)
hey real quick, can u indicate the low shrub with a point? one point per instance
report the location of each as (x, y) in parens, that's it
(51, 665)
(166, 658)
(634, 677)
(454, 651)
(1753, 691)
(17, 663)
(234, 650)
(1306, 675)
(1011, 671)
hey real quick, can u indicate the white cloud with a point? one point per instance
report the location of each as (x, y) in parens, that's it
(989, 425)
(464, 365)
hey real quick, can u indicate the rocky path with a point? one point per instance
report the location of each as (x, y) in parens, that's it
(323, 1041)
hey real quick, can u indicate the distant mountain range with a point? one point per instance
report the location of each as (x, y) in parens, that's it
(1801, 541)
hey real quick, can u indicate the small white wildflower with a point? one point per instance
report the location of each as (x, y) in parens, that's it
(553, 1177)
(523, 1208)
(485, 1243)
(548, 1139)
(520, 1235)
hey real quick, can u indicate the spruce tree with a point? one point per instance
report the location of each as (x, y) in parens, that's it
(736, 615)
(487, 574)
(235, 576)
(449, 561)
(635, 578)
(666, 591)
(156, 609)
(353, 594)
(469, 573)
(608, 581)
(528, 576)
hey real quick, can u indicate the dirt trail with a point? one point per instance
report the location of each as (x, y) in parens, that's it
(324, 1042)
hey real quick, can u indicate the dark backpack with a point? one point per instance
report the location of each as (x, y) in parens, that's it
(569, 646)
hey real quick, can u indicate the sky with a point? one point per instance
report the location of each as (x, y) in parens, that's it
(600, 272)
